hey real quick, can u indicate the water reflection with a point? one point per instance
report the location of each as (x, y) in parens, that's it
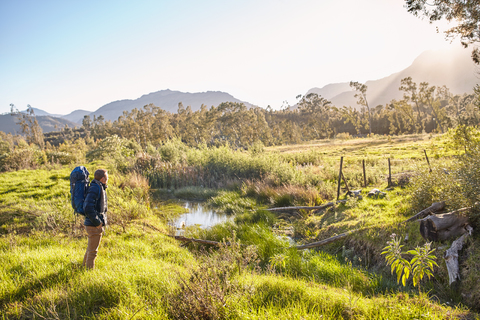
(198, 215)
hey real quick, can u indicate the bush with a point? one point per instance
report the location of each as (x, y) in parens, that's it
(429, 187)
(63, 158)
(173, 151)
(213, 290)
(115, 149)
(458, 186)
(343, 136)
(21, 158)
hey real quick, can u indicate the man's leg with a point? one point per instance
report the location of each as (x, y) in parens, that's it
(94, 235)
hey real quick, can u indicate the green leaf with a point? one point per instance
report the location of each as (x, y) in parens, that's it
(399, 274)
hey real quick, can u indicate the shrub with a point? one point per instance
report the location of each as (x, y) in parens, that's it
(115, 149)
(173, 151)
(343, 136)
(439, 185)
(213, 290)
(21, 158)
(63, 158)
(421, 264)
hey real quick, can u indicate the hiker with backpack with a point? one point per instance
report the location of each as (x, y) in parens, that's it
(95, 208)
(90, 200)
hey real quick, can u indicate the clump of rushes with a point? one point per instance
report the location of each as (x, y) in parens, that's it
(230, 202)
(214, 289)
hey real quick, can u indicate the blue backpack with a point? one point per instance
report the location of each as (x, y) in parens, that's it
(79, 185)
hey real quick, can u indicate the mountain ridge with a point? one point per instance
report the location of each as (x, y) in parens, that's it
(452, 68)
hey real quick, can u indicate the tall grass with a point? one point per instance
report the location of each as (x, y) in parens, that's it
(141, 273)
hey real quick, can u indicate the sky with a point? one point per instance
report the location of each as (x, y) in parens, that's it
(60, 56)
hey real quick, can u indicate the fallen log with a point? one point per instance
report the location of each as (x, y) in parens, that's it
(440, 227)
(451, 256)
(435, 207)
(330, 204)
(325, 241)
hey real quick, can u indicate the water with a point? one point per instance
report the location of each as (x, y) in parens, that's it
(198, 215)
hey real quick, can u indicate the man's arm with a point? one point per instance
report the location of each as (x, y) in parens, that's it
(90, 203)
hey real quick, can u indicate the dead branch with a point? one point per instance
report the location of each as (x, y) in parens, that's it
(325, 241)
(435, 207)
(330, 204)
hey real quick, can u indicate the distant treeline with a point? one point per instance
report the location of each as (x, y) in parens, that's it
(424, 108)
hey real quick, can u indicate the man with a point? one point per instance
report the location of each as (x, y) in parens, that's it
(95, 207)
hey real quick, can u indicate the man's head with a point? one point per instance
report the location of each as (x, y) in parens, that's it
(101, 175)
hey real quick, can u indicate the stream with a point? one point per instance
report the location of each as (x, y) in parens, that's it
(197, 215)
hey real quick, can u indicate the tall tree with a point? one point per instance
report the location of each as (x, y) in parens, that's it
(318, 111)
(465, 12)
(30, 127)
(361, 94)
(410, 94)
(428, 97)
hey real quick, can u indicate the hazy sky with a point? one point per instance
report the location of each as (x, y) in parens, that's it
(60, 56)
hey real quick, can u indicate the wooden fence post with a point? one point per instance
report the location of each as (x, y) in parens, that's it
(364, 175)
(428, 161)
(389, 174)
(339, 178)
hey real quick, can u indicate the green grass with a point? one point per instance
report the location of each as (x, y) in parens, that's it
(42, 275)
(140, 272)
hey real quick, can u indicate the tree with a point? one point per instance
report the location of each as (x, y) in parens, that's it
(465, 12)
(428, 97)
(361, 94)
(318, 111)
(405, 112)
(411, 95)
(30, 127)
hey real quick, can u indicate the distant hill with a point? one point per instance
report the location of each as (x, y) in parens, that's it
(167, 100)
(39, 112)
(76, 116)
(453, 68)
(47, 123)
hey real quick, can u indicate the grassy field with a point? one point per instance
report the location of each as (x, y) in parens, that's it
(142, 273)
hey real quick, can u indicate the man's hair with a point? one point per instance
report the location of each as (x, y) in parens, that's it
(99, 174)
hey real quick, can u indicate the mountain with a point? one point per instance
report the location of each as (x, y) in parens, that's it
(39, 112)
(47, 123)
(76, 116)
(167, 100)
(453, 68)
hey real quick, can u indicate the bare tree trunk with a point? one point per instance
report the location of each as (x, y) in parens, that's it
(445, 226)
(451, 256)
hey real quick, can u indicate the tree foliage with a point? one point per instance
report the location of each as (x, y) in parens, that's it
(465, 12)
(424, 108)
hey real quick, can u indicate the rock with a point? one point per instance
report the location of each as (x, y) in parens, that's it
(355, 193)
(375, 193)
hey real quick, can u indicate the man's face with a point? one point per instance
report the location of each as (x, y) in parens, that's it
(104, 179)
